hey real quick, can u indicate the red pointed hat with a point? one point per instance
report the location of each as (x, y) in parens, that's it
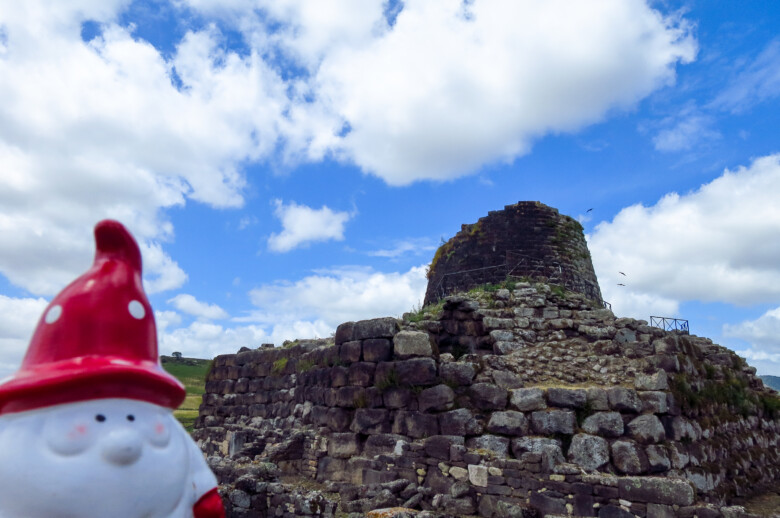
(96, 339)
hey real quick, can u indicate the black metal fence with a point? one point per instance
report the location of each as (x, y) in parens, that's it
(670, 324)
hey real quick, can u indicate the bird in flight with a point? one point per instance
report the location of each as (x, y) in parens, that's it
(623, 274)
(621, 284)
(588, 210)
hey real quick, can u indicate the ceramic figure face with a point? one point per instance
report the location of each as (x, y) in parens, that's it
(102, 458)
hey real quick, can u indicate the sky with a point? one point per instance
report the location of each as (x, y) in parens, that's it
(290, 165)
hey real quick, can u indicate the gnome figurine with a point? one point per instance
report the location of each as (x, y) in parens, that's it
(86, 424)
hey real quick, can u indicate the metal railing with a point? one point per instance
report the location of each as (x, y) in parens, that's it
(670, 324)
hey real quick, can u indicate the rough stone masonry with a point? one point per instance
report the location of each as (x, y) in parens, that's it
(524, 399)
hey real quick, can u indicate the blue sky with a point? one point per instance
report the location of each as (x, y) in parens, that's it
(291, 165)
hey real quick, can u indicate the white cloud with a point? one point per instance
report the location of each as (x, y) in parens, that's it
(718, 243)
(302, 225)
(758, 81)
(764, 333)
(413, 246)
(186, 303)
(687, 132)
(18, 317)
(337, 296)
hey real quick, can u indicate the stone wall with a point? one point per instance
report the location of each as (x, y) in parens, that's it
(528, 239)
(559, 408)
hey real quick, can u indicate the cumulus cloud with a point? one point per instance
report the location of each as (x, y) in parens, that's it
(18, 317)
(338, 295)
(716, 244)
(764, 332)
(302, 225)
(186, 303)
(685, 133)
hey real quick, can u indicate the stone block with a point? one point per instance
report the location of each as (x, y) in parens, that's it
(606, 424)
(349, 352)
(412, 344)
(459, 422)
(654, 402)
(343, 445)
(377, 350)
(370, 421)
(478, 475)
(509, 422)
(507, 380)
(415, 424)
(628, 457)
(553, 422)
(547, 504)
(438, 446)
(417, 371)
(344, 333)
(646, 429)
(658, 458)
(397, 397)
(383, 444)
(589, 451)
(458, 374)
(566, 398)
(499, 446)
(533, 445)
(657, 381)
(339, 419)
(376, 328)
(361, 374)
(624, 400)
(487, 396)
(527, 399)
(437, 398)
(505, 348)
(657, 490)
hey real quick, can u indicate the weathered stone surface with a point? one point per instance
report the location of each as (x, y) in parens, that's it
(344, 333)
(646, 429)
(487, 396)
(370, 420)
(566, 398)
(657, 381)
(361, 374)
(350, 351)
(606, 424)
(377, 350)
(509, 422)
(597, 398)
(458, 374)
(397, 397)
(657, 490)
(624, 400)
(527, 399)
(437, 398)
(415, 424)
(507, 380)
(629, 457)
(533, 445)
(417, 371)
(438, 446)
(548, 504)
(503, 348)
(343, 445)
(459, 422)
(381, 444)
(613, 511)
(375, 328)
(478, 475)
(412, 344)
(553, 422)
(498, 445)
(658, 458)
(654, 402)
(588, 451)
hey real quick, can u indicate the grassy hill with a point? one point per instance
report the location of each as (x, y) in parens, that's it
(772, 381)
(192, 373)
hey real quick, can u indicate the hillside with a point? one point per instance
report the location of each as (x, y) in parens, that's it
(771, 381)
(192, 373)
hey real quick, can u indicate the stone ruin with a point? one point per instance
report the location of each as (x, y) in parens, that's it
(519, 400)
(527, 240)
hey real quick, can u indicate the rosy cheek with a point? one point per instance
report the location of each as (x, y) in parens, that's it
(159, 429)
(78, 431)
(160, 435)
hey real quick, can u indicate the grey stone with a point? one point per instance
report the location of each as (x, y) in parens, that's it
(459, 374)
(565, 397)
(397, 397)
(344, 333)
(487, 396)
(660, 511)
(547, 504)
(657, 381)
(527, 399)
(646, 429)
(606, 424)
(478, 475)
(654, 402)
(498, 445)
(507, 380)
(509, 422)
(628, 457)
(343, 445)
(370, 420)
(553, 422)
(437, 398)
(532, 445)
(658, 458)
(349, 352)
(415, 424)
(507, 347)
(597, 398)
(613, 511)
(656, 490)
(376, 328)
(377, 350)
(459, 422)
(381, 444)
(589, 451)
(411, 344)
(438, 446)
(417, 371)
(624, 400)
(361, 374)
(624, 336)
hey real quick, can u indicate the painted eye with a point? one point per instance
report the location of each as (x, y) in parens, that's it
(130, 417)
(100, 418)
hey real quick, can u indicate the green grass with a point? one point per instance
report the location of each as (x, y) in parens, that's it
(193, 377)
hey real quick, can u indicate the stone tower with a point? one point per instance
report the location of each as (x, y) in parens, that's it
(528, 239)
